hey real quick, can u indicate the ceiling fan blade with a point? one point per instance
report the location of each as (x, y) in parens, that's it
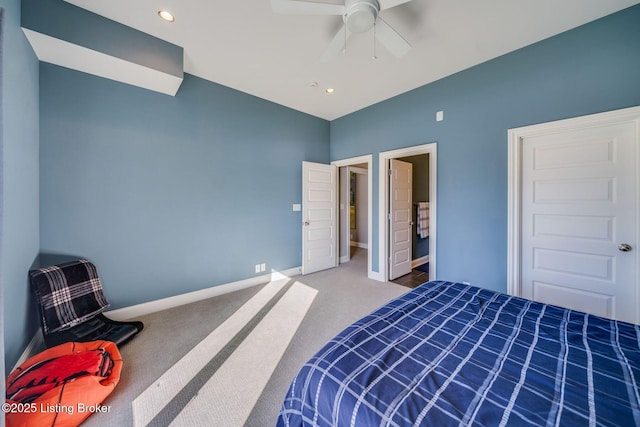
(337, 45)
(295, 7)
(388, 4)
(390, 39)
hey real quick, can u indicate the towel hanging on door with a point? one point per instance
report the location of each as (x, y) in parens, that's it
(423, 220)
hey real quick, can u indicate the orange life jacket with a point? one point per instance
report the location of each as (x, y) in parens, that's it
(63, 385)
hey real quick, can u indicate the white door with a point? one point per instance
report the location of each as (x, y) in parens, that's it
(400, 221)
(319, 219)
(580, 219)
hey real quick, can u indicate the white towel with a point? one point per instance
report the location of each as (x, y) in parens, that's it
(423, 219)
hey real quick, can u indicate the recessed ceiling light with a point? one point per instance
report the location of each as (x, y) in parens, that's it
(329, 90)
(166, 15)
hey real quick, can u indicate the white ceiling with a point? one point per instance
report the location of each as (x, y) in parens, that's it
(244, 45)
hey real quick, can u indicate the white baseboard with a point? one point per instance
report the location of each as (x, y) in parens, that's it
(419, 261)
(359, 245)
(376, 275)
(346, 258)
(37, 342)
(137, 310)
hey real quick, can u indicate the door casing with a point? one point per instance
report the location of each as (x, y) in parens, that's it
(383, 205)
(368, 160)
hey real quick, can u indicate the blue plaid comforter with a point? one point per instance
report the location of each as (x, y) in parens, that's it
(448, 354)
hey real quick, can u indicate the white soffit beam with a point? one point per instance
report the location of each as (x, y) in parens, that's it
(59, 52)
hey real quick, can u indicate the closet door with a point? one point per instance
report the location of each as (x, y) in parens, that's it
(580, 218)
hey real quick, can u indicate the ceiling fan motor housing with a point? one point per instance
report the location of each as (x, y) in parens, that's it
(361, 15)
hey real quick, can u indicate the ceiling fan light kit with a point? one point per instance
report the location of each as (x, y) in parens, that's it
(359, 16)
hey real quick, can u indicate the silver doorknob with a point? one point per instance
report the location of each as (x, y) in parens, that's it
(624, 247)
(306, 223)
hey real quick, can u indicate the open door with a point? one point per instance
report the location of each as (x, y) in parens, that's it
(400, 221)
(319, 217)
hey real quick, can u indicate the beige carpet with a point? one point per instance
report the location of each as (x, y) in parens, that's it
(229, 360)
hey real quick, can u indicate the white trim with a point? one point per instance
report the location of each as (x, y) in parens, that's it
(514, 188)
(514, 214)
(383, 206)
(138, 310)
(37, 342)
(359, 245)
(368, 159)
(347, 230)
(344, 215)
(354, 169)
(419, 261)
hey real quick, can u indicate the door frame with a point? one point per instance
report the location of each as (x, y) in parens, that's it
(368, 159)
(346, 232)
(514, 187)
(383, 205)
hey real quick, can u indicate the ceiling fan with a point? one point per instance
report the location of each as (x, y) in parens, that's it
(359, 16)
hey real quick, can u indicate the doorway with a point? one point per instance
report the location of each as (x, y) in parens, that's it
(362, 167)
(357, 177)
(384, 238)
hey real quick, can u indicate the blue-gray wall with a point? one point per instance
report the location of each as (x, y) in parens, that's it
(590, 69)
(170, 194)
(19, 213)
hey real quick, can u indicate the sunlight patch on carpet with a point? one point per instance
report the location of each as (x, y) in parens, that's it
(229, 396)
(159, 394)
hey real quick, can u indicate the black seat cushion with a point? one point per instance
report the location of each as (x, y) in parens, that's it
(98, 328)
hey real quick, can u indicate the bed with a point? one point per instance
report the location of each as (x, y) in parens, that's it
(449, 354)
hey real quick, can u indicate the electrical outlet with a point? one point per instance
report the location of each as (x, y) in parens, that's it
(257, 268)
